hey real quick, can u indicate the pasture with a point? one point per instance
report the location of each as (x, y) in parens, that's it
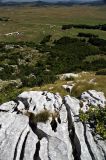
(33, 23)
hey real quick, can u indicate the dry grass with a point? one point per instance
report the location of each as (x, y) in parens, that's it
(83, 83)
(34, 22)
(42, 116)
(81, 87)
(53, 88)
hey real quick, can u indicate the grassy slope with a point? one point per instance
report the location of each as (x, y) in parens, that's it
(82, 83)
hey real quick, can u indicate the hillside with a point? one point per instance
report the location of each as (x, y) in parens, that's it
(52, 82)
(35, 48)
(25, 64)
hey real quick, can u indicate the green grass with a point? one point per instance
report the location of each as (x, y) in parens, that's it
(9, 95)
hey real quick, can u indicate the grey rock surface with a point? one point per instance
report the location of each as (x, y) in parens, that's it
(94, 97)
(61, 137)
(68, 88)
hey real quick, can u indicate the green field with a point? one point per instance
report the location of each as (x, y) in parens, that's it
(33, 23)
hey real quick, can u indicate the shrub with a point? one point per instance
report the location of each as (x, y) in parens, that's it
(88, 35)
(45, 78)
(69, 78)
(96, 117)
(83, 116)
(46, 39)
(97, 41)
(84, 26)
(29, 81)
(101, 72)
(63, 40)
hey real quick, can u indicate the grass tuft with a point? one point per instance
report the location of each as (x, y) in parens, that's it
(81, 87)
(43, 116)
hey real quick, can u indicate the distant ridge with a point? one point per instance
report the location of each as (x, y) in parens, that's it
(58, 3)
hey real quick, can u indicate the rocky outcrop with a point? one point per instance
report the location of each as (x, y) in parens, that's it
(68, 88)
(67, 76)
(61, 137)
(92, 98)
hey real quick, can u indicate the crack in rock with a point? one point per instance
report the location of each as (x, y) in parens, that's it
(73, 137)
(19, 149)
(36, 155)
(1, 110)
(23, 147)
(87, 143)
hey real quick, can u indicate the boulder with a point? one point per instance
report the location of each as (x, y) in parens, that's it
(84, 144)
(92, 98)
(68, 88)
(67, 76)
